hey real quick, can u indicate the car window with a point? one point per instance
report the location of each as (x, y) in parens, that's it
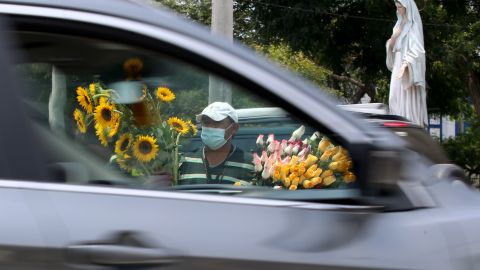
(114, 114)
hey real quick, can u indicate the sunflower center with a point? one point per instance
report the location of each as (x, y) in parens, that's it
(177, 125)
(124, 144)
(107, 115)
(145, 147)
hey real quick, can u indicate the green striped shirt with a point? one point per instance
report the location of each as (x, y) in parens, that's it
(237, 167)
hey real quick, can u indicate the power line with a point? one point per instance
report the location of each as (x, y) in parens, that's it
(341, 15)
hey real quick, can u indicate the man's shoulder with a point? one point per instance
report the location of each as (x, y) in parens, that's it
(241, 156)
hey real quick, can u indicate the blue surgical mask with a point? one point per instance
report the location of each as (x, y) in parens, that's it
(214, 138)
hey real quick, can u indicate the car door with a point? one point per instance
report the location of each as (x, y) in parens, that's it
(97, 217)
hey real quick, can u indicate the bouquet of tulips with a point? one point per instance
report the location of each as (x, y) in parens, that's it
(292, 164)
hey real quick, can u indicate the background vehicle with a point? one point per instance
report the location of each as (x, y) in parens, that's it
(404, 213)
(256, 121)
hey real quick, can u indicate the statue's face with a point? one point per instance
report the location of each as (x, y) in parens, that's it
(401, 9)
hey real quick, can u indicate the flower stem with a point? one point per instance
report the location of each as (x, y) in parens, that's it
(175, 162)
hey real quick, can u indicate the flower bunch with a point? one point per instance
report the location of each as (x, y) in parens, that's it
(143, 140)
(301, 164)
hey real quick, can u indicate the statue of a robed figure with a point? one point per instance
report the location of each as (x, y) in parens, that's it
(406, 60)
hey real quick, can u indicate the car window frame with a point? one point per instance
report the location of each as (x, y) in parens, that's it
(357, 138)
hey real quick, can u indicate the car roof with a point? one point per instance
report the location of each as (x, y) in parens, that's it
(133, 9)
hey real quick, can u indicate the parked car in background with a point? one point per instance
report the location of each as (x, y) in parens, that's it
(68, 203)
(256, 121)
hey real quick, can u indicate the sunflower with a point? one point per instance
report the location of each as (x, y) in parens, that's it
(133, 67)
(101, 135)
(165, 94)
(178, 124)
(104, 115)
(123, 143)
(78, 115)
(114, 129)
(84, 99)
(193, 127)
(91, 88)
(145, 148)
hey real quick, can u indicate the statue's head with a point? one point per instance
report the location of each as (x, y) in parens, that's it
(400, 7)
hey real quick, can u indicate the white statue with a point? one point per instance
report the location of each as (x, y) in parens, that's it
(406, 60)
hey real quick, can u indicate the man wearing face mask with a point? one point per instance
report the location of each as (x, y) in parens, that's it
(218, 161)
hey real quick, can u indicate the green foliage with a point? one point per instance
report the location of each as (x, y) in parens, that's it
(464, 150)
(298, 62)
(348, 38)
(197, 10)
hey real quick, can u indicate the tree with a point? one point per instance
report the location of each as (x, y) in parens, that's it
(347, 37)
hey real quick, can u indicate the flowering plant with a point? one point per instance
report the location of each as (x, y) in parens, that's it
(143, 140)
(296, 164)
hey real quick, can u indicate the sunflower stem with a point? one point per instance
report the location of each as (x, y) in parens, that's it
(175, 162)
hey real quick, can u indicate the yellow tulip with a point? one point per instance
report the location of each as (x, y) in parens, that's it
(311, 171)
(339, 155)
(286, 182)
(277, 172)
(317, 173)
(315, 181)
(326, 155)
(293, 187)
(338, 166)
(333, 165)
(349, 177)
(307, 184)
(327, 181)
(295, 180)
(301, 168)
(323, 144)
(284, 171)
(311, 159)
(327, 173)
(294, 160)
(294, 169)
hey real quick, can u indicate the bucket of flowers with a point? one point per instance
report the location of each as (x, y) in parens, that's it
(143, 140)
(311, 163)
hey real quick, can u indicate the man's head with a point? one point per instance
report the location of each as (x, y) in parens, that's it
(219, 123)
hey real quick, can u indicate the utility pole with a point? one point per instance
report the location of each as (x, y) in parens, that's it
(57, 101)
(222, 24)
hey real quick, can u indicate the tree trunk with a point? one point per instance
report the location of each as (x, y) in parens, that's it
(472, 81)
(368, 88)
(473, 85)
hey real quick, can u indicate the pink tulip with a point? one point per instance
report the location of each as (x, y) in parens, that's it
(271, 138)
(288, 149)
(271, 147)
(296, 148)
(266, 171)
(260, 142)
(278, 146)
(264, 156)
(257, 162)
(286, 160)
(304, 151)
(283, 145)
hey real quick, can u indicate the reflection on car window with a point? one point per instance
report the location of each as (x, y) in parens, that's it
(117, 115)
